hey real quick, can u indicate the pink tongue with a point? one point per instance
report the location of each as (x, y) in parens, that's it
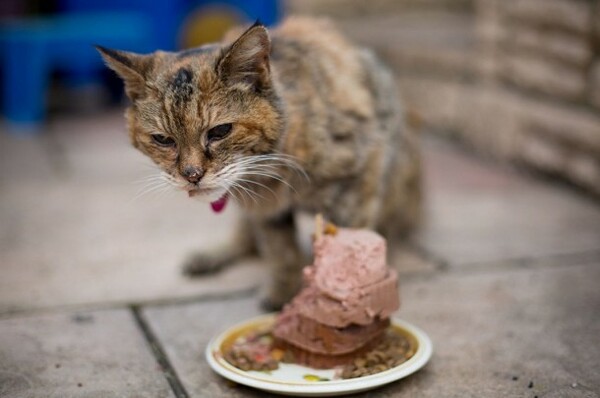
(219, 204)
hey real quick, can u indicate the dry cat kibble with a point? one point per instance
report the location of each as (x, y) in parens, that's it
(394, 350)
(257, 351)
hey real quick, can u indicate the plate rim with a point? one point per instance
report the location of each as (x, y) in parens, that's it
(226, 370)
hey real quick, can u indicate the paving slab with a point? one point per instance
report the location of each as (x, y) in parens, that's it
(184, 332)
(498, 331)
(24, 158)
(76, 234)
(480, 214)
(98, 354)
(87, 244)
(495, 333)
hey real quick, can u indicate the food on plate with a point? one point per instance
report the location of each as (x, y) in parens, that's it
(348, 296)
(341, 317)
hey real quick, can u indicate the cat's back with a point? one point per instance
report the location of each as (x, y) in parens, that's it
(309, 36)
(312, 57)
(340, 101)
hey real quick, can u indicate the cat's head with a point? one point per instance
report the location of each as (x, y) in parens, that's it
(201, 113)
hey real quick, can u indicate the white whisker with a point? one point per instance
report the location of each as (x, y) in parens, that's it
(156, 184)
(273, 160)
(258, 172)
(243, 193)
(250, 193)
(259, 184)
(239, 174)
(147, 190)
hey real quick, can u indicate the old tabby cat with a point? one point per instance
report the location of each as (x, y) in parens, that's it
(298, 120)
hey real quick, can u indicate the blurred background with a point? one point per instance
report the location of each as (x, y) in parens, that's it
(503, 274)
(517, 82)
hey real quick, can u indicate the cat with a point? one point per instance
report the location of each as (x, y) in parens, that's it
(293, 119)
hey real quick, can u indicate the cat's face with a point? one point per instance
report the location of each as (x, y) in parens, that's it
(202, 115)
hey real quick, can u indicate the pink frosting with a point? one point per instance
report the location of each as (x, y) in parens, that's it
(347, 261)
(378, 300)
(349, 282)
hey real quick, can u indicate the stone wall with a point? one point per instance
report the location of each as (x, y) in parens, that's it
(542, 57)
(515, 79)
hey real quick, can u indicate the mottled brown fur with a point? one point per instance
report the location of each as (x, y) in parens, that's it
(303, 91)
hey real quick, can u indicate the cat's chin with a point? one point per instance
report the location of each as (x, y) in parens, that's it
(217, 198)
(208, 196)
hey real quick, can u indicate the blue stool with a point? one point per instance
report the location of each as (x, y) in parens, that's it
(31, 49)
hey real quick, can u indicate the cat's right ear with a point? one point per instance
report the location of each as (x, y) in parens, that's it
(131, 67)
(246, 61)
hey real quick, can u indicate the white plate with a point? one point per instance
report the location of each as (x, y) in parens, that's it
(288, 379)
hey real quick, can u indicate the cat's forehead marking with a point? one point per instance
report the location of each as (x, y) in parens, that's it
(180, 84)
(183, 77)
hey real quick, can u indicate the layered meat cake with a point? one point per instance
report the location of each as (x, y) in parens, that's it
(344, 308)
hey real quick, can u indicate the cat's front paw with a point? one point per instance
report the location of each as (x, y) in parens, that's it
(276, 299)
(267, 305)
(203, 264)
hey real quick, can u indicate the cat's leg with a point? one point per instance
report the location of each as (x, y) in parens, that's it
(401, 212)
(242, 245)
(277, 245)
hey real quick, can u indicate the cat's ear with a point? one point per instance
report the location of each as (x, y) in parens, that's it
(131, 67)
(246, 61)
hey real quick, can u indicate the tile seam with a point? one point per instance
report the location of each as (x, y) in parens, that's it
(159, 354)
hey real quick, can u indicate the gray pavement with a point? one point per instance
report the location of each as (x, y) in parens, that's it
(75, 232)
(503, 277)
(80, 354)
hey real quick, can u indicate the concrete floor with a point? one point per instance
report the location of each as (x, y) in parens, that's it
(92, 304)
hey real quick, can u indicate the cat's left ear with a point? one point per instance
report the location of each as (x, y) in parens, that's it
(246, 61)
(131, 67)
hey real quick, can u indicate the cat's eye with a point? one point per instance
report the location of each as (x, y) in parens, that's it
(219, 132)
(163, 140)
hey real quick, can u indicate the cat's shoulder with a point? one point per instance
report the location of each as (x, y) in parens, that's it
(305, 27)
(309, 30)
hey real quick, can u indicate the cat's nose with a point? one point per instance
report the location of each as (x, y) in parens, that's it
(193, 174)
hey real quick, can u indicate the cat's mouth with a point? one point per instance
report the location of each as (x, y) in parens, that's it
(216, 205)
(196, 192)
